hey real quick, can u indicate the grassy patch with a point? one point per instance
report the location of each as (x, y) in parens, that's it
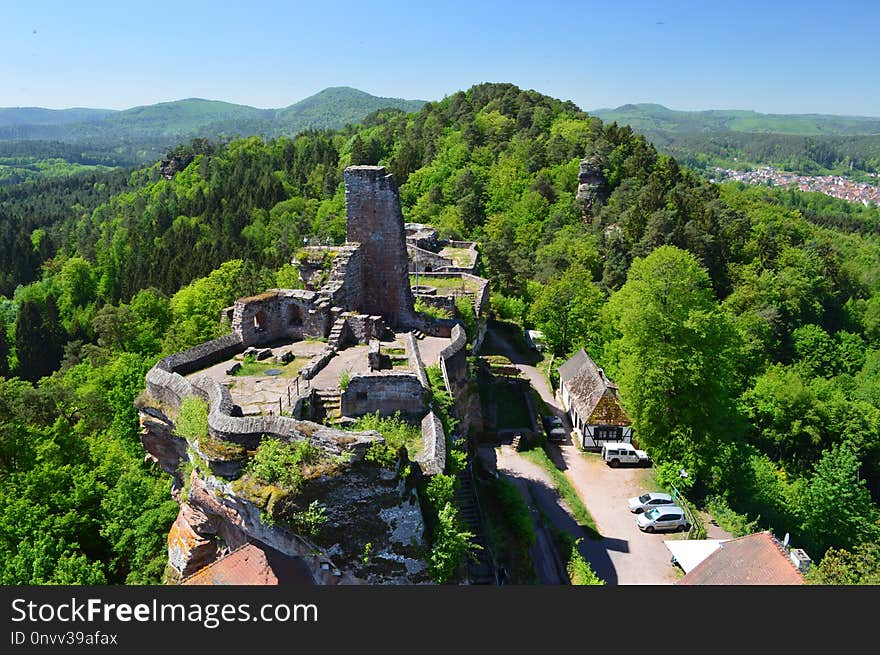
(508, 403)
(430, 310)
(461, 257)
(446, 283)
(192, 420)
(397, 432)
(566, 491)
(221, 450)
(258, 369)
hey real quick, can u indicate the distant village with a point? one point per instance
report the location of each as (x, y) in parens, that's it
(831, 185)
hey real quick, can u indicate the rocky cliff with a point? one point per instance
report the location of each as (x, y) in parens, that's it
(370, 528)
(592, 186)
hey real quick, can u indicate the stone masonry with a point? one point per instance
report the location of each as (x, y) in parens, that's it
(374, 220)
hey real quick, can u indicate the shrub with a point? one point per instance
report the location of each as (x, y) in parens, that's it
(311, 520)
(579, 570)
(464, 308)
(280, 464)
(192, 421)
(430, 310)
(736, 524)
(508, 308)
(344, 379)
(439, 491)
(451, 545)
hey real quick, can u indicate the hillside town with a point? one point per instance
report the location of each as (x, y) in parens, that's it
(831, 185)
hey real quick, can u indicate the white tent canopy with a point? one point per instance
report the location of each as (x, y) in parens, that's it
(690, 552)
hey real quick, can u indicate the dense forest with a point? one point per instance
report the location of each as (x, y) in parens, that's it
(743, 325)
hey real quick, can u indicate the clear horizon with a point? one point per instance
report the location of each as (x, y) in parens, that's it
(787, 58)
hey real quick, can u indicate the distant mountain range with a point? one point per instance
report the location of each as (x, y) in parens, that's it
(331, 108)
(649, 117)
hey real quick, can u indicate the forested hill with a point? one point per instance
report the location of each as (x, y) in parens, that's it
(10, 116)
(743, 326)
(811, 144)
(657, 118)
(42, 143)
(195, 117)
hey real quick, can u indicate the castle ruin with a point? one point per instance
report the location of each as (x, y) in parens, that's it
(356, 319)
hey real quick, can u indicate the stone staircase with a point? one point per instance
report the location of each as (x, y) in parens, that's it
(482, 569)
(333, 340)
(327, 405)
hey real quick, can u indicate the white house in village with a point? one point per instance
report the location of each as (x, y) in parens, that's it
(592, 403)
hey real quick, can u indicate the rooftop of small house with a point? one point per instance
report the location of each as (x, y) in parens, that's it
(253, 563)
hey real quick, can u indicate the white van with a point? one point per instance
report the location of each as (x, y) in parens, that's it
(616, 453)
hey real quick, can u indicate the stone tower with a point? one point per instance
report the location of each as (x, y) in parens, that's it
(374, 220)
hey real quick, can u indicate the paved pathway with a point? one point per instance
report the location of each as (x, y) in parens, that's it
(624, 555)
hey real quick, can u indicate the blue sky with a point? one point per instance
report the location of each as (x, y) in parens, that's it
(771, 56)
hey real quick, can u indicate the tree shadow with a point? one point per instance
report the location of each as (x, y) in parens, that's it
(547, 501)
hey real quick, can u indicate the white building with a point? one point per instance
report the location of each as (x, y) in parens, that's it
(592, 403)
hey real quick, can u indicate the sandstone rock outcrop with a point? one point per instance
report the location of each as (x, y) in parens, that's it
(592, 186)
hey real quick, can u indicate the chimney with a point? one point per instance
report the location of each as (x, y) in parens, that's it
(800, 559)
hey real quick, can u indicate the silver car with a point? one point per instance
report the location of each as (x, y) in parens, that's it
(649, 500)
(665, 517)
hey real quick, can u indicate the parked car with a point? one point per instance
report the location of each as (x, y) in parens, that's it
(616, 453)
(551, 421)
(649, 501)
(666, 517)
(557, 434)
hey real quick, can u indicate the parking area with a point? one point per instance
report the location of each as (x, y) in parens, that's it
(625, 554)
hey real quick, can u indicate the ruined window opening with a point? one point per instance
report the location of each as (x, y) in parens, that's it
(295, 315)
(260, 321)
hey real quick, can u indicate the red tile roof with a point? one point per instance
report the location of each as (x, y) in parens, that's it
(253, 564)
(756, 559)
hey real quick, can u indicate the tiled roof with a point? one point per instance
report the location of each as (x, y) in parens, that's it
(587, 385)
(756, 559)
(253, 564)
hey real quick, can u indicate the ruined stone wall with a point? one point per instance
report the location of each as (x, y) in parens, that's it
(425, 260)
(203, 355)
(384, 391)
(280, 314)
(364, 327)
(317, 363)
(432, 460)
(343, 288)
(415, 358)
(446, 303)
(375, 221)
(453, 361)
